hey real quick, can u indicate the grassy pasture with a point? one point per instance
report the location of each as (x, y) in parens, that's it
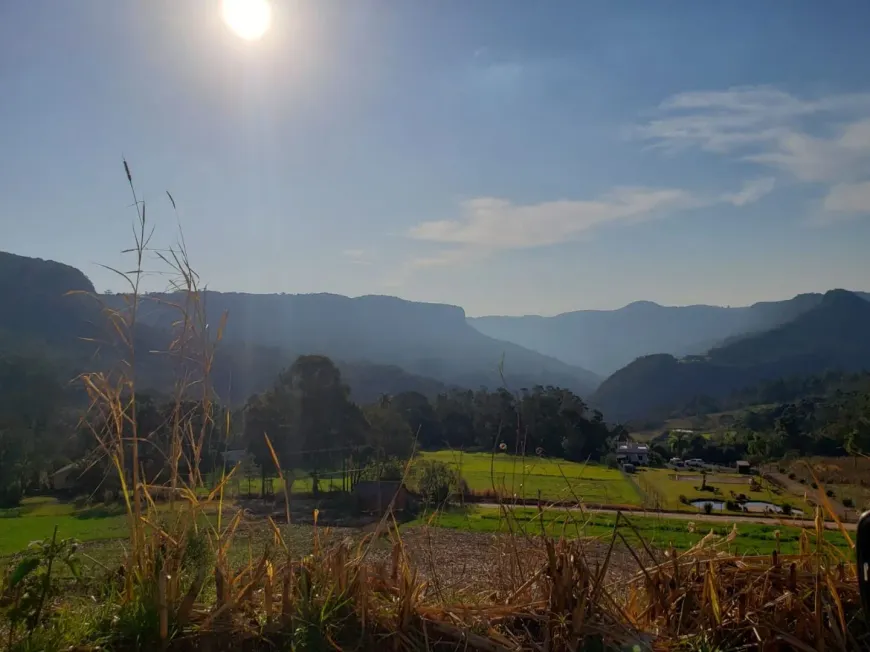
(751, 538)
(511, 475)
(36, 518)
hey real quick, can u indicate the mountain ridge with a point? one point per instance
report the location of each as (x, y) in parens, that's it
(829, 336)
(425, 347)
(604, 341)
(427, 339)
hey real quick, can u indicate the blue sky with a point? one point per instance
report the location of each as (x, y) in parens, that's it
(508, 157)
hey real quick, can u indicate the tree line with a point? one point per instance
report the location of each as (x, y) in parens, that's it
(311, 422)
(314, 428)
(830, 425)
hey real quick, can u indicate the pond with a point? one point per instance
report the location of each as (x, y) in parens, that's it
(754, 506)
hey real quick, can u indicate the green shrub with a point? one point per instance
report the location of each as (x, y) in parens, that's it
(656, 461)
(708, 508)
(684, 500)
(434, 481)
(792, 476)
(732, 506)
(611, 461)
(829, 493)
(33, 581)
(848, 502)
(786, 509)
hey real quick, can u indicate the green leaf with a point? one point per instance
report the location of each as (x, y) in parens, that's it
(23, 569)
(75, 567)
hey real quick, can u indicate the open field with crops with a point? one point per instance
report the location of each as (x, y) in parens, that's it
(556, 480)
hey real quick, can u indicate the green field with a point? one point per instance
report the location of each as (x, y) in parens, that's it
(105, 527)
(659, 532)
(511, 475)
(662, 490)
(36, 517)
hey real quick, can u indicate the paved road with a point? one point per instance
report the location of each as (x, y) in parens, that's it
(700, 517)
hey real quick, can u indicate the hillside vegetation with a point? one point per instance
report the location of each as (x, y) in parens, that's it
(830, 336)
(607, 340)
(52, 314)
(383, 344)
(425, 339)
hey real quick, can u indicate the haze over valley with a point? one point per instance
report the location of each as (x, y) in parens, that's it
(640, 360)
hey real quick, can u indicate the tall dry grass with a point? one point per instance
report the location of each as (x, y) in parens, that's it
(555, 594)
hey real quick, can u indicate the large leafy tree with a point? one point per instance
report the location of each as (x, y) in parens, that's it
(309, 418)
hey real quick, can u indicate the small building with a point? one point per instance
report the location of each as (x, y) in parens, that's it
(378, 495)
(744, 467)
(632, 453)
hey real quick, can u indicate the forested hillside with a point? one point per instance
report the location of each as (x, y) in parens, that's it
(606, 340)
(425, 339)
(830, 336)
(383, 345)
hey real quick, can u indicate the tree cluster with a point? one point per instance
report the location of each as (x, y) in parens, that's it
(305, 423)
(312, 424)
(837, 424)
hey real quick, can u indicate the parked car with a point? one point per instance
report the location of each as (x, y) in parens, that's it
(695, 462)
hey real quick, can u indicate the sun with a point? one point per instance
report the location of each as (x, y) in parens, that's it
(249, 19)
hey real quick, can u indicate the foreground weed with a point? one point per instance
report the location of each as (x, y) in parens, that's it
(32, 582)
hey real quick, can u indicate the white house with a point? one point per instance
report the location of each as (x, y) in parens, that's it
(632, 453)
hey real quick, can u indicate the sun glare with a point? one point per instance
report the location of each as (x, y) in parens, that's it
(249, 19)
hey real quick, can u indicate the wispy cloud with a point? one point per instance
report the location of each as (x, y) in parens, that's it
(500, 224)
(751, 192)
(490, 224)
(824, 140)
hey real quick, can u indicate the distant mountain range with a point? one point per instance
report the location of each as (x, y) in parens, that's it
(657, 357)
(383, 344)
(426, 339)
(832, 335)
(607, 340)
